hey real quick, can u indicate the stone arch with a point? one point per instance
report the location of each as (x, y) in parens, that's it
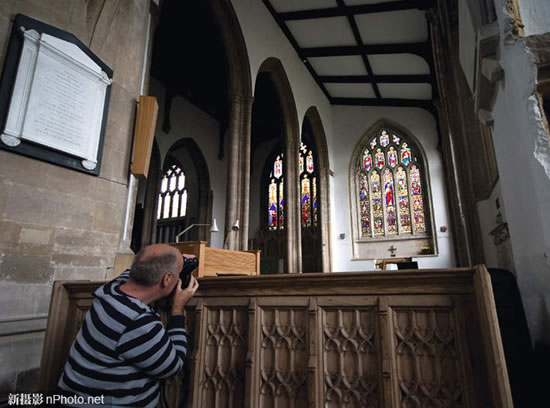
(291, 130)
(240, 95)
(145, 233)
(376, 127)
(312, 114)
(240, 82)
(203, 177)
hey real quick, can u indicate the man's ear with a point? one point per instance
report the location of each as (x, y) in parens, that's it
(165, 281)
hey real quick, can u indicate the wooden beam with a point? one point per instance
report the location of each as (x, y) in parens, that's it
(360, 9)
(295, 45)
(359, 41)
(420, 48)
(387, 79)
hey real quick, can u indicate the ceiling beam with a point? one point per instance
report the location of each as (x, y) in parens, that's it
(420, 48)
(295, 45)
(360, 9)
(385, 79)
(359, 42)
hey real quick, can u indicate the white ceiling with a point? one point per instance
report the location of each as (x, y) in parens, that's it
(398, 64)
(322, 32)
(352, 65)
(355, 46)
(393, 27)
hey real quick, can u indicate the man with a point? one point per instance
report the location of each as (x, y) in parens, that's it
(122, 350)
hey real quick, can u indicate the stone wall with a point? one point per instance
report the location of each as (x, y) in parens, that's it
(55, 223)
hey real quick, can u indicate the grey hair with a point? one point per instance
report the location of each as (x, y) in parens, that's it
(148, 269)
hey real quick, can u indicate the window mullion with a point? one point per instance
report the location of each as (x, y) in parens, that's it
(397, 200)
(411, 212)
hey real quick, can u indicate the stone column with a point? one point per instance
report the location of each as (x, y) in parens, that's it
(232, 196)
(246, 124)
(238, 173)
(292, 212)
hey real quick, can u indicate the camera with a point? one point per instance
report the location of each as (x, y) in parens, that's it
(189, 265)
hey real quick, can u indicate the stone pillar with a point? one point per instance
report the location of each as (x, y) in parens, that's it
(246, 124)
(238, 173)
(292, 213)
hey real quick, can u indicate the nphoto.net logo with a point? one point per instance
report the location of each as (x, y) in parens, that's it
(38, 399)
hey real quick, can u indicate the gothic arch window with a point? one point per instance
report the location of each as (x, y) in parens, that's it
(308, 187)
(275, 201)
(308, 191)
(390, 190)
(172, 202)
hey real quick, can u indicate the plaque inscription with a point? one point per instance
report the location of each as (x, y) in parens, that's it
(58, 98)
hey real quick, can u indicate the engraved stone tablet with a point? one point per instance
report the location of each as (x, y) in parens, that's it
(58, 98)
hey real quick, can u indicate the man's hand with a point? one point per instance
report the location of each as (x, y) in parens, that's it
(182, 296)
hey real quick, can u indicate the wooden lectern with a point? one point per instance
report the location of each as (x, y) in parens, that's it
(216, 262)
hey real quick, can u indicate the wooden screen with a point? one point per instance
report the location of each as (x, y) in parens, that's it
(405, 339)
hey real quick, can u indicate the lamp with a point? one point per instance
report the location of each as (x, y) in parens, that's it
(213, 228)
(235, 226)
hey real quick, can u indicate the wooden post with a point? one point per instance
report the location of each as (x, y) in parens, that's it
(492, 343)
(52, 355)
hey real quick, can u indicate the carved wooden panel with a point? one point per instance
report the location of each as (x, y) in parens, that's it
(407, 339)
(283, 357)
(427, 357)
(223, 377)
(350, 357)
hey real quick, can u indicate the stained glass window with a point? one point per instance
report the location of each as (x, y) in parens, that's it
(377, 211)
(275, 201)
(308, 188)
(364, 204)
(309, 203)
(390, 188)
(418, 205)
(272, 205)
(172, 201)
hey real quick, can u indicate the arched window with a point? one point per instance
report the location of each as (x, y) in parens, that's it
(172, 202)
(275, 203)
(308, 187)
(391, 188)
(308, 191)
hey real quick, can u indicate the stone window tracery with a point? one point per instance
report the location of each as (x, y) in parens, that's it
(390, 188)
(172, 202)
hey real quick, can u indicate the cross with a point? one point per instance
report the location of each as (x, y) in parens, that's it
(392, 250)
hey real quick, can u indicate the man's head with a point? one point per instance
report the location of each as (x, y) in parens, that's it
(158, 264)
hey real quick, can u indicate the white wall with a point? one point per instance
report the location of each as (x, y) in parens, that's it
(350, 124)
(188, 121)
(487, 221)
(264, 39)
(522, 150)
(535, 15)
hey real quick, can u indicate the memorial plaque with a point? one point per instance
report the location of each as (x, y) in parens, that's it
(58, 104)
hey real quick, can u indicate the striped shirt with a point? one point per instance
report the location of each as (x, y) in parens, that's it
(122, 350)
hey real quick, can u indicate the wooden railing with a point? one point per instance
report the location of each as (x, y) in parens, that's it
(380, 339)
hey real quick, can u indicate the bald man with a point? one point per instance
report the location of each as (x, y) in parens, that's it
(122, 350)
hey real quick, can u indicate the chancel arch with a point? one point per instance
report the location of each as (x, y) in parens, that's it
(390, 195)
(272, 70)
(199, 54)
(239, 122)
(315, 238)
(185, 196)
